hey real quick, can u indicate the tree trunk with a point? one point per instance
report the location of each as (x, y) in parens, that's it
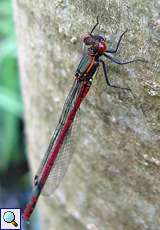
(113, 180)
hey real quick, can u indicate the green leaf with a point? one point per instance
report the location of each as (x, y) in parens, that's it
(11, 102)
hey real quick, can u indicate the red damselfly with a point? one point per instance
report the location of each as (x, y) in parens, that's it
(58, 156)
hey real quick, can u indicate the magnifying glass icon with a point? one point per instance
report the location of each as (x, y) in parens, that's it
(9, 217)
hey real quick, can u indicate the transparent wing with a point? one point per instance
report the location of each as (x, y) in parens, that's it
(63, 160)
(66, 109)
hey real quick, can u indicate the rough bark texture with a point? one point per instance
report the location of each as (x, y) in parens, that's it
(113, 181)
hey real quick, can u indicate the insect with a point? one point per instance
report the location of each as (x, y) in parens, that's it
(58, 156)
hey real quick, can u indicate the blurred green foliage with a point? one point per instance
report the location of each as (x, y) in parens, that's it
(11, 109)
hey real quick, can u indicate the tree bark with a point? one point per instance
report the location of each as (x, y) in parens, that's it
(113, 181)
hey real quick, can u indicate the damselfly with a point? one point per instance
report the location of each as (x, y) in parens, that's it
(58, 156)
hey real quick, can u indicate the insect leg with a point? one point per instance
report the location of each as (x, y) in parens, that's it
(117, 61)
(119, 41)
(107, 79)
(95, 26)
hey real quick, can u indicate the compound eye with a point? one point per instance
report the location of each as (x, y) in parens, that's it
(88, 40)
